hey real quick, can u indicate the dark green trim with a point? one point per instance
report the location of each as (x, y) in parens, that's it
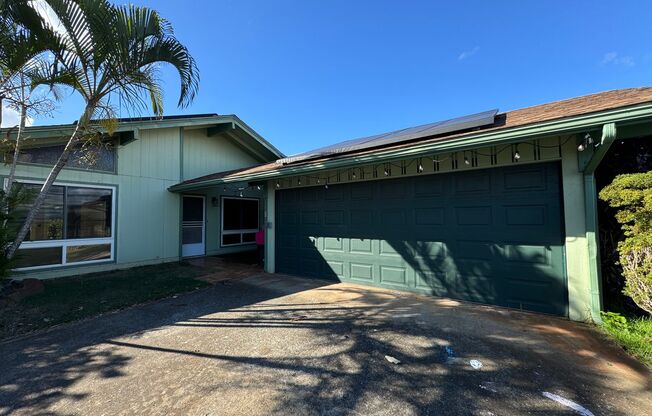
(219, 129)
(126, 137)
(572, 125)
(591, 157)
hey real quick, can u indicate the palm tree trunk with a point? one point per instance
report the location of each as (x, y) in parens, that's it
(14, 161)
(61, 162)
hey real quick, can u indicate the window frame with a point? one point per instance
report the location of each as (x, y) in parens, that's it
(65, 243)
(78, 169)
(224, 232)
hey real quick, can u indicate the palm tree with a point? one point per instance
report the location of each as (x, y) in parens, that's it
(24, 39)
(109, 53)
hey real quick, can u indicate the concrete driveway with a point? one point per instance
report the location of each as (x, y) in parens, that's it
(279, 345)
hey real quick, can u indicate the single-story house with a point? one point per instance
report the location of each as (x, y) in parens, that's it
(495, 207)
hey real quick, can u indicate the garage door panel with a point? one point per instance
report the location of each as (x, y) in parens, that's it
(525, 215)
(474, 215)
(427, 187)
(430, 216)
(434, 282)
(337, 268)
(361, 246)
(429, 251)
(492, 236)
(476, 288)
(363, 218)
(361, 271)
(334, 244)
(361, 191)
(527, 179)
(387, 249)
(475, 183)
(394, 275)
(392, 190)
(526, 255)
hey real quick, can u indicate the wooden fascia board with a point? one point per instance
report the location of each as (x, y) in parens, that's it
(569, 125)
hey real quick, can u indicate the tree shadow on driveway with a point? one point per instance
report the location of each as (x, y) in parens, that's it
(279, 345)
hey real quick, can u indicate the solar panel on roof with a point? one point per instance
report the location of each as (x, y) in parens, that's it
(440, 127)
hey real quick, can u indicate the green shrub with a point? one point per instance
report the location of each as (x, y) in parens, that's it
(631, 194)
(633, 334)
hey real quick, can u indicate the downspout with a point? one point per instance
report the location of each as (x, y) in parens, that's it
(588, 165)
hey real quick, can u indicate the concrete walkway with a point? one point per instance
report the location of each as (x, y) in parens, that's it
(279, 345)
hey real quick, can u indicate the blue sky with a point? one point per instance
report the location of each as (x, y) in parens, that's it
(308, 73)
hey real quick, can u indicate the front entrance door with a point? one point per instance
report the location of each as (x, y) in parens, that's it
(192, 227)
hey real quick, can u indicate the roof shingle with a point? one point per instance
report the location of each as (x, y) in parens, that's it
(516, 118)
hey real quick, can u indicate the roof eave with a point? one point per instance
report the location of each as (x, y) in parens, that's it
(622, 116)
(41, 132)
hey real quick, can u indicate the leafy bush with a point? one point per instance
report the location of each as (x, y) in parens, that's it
(632, 195)
(633, 334)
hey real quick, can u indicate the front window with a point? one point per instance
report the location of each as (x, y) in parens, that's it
(74, 225)
(103, 157)
(239, 221)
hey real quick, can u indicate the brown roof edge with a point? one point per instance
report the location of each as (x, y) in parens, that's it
(557, 110)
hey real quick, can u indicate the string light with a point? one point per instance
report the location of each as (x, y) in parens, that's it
(588, 140)
(240, 194)
(258, 187)
(437, 160)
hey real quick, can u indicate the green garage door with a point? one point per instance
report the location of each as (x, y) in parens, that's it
(493, 236)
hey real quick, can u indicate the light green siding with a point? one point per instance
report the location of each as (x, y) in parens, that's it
(147, 228)
(577, 254)
(203, 155)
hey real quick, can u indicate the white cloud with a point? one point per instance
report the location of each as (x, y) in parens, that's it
(614, 58)
(11, 118)
(467, 54)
